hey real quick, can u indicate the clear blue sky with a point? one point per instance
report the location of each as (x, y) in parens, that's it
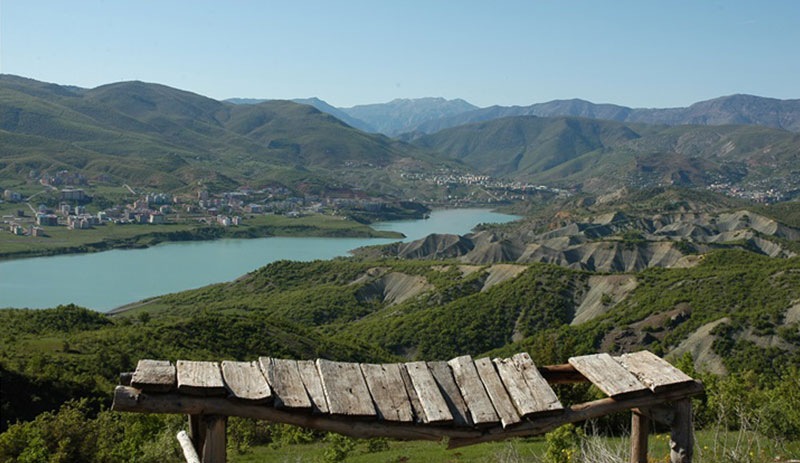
(636, 53)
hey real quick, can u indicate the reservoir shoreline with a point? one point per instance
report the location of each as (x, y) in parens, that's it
(106, 280)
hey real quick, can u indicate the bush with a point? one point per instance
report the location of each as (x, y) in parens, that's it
(563, 444)
(74, 434)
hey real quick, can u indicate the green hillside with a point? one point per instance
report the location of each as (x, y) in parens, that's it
(600, 155)
(393, 310)
(158, 137)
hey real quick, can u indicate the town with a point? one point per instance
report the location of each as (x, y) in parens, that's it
(68, 201)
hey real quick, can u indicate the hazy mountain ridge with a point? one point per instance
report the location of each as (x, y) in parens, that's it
(402, 114)
(726, 110)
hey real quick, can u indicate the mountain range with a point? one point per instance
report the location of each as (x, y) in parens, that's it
(164, 138)
(409, 118)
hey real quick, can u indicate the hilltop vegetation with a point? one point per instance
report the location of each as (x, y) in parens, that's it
(611, 260)
(353, 310)
(598, 155)
(163, 138)
(734, 312)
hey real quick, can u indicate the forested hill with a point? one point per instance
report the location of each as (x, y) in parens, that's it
(732, 311)
(161, 137)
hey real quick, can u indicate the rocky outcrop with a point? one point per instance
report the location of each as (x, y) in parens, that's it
(502, 272)
(394, 288)
(604, 292)
(613, 242)
(436, 246)
(700, 345)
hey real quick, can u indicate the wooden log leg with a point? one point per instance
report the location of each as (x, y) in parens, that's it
(189, 452)
(640, 428)
(682, 436)
(214, 448)
(197, 432)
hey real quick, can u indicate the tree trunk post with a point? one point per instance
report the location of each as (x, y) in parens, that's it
(682, 436)
(640, 428)
(197, 432)
(215, 445)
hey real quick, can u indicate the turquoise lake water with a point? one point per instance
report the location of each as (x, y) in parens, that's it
(103, 281)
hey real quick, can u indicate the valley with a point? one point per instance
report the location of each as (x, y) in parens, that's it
(674, 230)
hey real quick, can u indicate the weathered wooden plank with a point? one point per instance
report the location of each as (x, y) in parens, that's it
(313, 384)
(419, 413)
(199, 378)
(388, 391)
(497, 392)
(154, 376)
(578, 412)
(287, 385)
(528, 390)
(447, 384)
(128, 399)
(469, 383)
(434, 405)
(245, 381)
(607, 374)
(345, 388)
(652, 371)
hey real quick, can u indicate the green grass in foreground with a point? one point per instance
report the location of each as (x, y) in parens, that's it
(60, 240)
(712, 446)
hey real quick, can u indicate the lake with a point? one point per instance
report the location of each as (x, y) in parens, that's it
(105, 280)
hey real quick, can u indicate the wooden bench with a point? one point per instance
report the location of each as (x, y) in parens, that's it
(464, 400)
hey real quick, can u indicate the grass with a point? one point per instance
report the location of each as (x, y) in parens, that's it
(417, 451)
(60, 239)
(712, 446)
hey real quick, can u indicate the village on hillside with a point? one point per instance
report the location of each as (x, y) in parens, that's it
(69, 201)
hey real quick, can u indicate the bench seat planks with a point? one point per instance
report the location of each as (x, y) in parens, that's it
(345, 389)
(608, 375)
(529, 391)
(388, 391)
(287, 385)
(652, 371)
(199, 378)
(313, 384)
(497, 392)
(443, 375)
(154, 376)
(469, 383)
(245, 381)
(430, 396)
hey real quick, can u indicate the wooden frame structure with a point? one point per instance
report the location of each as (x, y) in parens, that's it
(464, 400)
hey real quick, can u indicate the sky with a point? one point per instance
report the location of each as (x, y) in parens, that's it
(637, 53)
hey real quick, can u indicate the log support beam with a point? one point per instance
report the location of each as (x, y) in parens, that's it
(682, 433)
(209, 437)
(640, 428)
